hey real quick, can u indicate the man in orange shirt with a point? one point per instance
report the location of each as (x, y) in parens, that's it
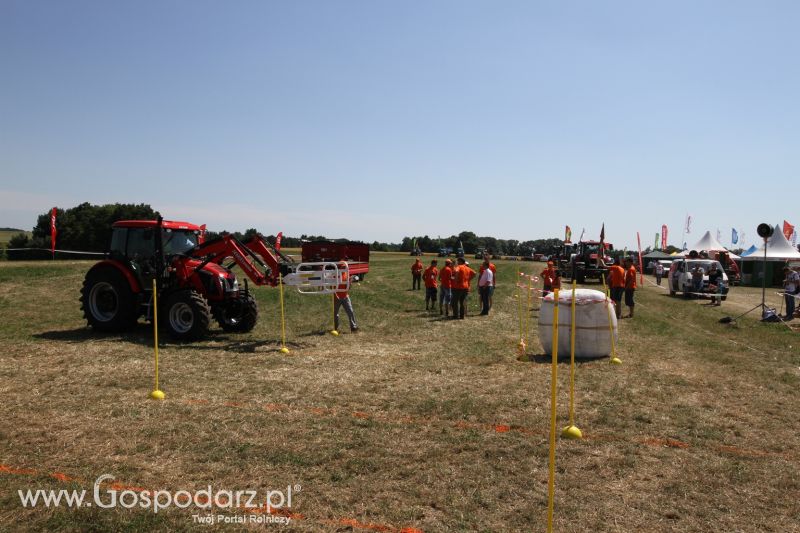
(429, 277)
(416, 274)
(630, 285)
(342, 299)
(462, 278)
(550, 278)
(446, 289)
(616, 285)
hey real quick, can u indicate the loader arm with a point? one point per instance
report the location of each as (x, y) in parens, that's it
(217, 250)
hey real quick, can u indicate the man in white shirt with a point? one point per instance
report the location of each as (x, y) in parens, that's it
(659, 270)
(791, 284)
(485, 283)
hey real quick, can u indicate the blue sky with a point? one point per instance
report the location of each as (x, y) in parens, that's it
(375, 120)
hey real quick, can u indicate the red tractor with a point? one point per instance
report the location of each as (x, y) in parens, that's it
(193, 285)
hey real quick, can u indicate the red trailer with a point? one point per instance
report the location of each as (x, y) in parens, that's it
(355, 253)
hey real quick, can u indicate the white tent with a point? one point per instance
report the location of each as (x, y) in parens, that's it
(778, 249)
(708, 243)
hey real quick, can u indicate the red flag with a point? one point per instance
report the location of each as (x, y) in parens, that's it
(663, 236)
(278, 240)
(788, 229)
(53, 232)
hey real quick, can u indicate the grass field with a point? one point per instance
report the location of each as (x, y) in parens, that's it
(5, 236)
(416, 422)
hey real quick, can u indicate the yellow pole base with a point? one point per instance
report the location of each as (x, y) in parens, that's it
(284, 350)
(522, 347)
(616, 361)
(334, 333)
(157, 395)
(571, 432)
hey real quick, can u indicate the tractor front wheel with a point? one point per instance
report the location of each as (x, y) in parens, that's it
(237, 316)
(186, 315)
(107, 300)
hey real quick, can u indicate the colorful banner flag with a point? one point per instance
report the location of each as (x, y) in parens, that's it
(688, 228)
(788, 229)
(655, 242)
(278, 240)
(53, 232)
(734, 236)
(663, 236)
(568, 235)
(641, 269)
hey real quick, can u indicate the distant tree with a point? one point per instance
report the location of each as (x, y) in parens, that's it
(86, 227)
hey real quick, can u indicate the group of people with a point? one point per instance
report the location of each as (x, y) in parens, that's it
(451, 285)
(622, 282)
(791, 290)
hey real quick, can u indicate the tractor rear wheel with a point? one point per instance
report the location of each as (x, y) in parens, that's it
(108, 303)
(186, 315)
(237, 316)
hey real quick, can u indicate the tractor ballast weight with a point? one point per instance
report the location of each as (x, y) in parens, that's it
(194, 286)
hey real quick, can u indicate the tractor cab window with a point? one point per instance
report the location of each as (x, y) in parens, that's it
(119, 237)
(141, 243)
(178, 241)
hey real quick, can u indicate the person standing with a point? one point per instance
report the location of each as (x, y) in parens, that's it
(445, 289)
(462, 278)
(630, 285)
(485, 281)
(791, 287)
(659, 270)
(416, 274)
(342, 299)
(715, 284)
(550, 278)
(429, 277)
(491, 266)
(616, 286)
(697, 278)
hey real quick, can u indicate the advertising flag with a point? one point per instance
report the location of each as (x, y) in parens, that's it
(663, 236)
(641, 269)
(568, 235)
(734, 236)
(655, 242)
(278, 240)
(53, 232)
(788, 229)
(688, 228)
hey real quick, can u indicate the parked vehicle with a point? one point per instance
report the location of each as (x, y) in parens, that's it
(680, 277)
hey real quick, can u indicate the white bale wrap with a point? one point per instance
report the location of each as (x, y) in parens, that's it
(592, 312)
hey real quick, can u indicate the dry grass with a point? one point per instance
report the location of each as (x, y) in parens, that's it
(416, 422)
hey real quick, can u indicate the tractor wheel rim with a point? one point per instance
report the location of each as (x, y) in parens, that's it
(181, 317)
(103, 301)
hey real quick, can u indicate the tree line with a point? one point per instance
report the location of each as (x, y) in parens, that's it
(87, 228)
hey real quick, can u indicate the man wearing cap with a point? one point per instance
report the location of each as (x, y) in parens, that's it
(461, 280)
(550, 278)
(429, 277)
(342, 299)
(416, 274)
(446, 288)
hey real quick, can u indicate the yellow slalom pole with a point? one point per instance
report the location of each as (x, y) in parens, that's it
(284, 349)
(614, 359)
(521, 346)
(551, 486)
(528, 312)
(157, 393)
(333, 315)
(571, 431)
